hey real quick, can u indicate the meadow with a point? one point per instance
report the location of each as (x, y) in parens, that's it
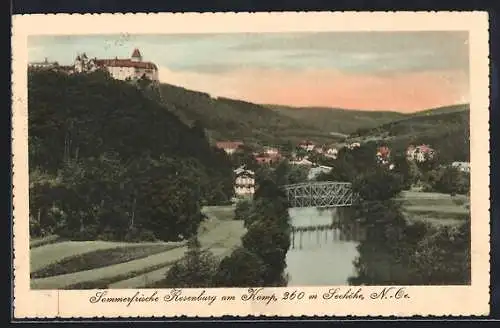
(434, 207)
(102, 264)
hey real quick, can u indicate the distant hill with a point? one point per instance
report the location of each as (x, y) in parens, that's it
(228, 119)
(337, 120)
(444, 128)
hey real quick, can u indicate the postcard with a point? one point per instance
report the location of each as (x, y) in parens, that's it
(250, 164)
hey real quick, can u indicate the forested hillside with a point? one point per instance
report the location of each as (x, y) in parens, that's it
(445, 129)
(228, 119)
(107, 162)
(336, 120)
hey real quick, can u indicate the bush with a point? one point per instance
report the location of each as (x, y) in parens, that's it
(35, 230)
(137, 235)
(242, 210)
(241, 269)
(195, 270)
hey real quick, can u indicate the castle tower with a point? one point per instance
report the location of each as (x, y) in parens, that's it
(136, 55)
(78, 66)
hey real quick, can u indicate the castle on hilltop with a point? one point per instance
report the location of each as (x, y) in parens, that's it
(127, 69)
(132, 68)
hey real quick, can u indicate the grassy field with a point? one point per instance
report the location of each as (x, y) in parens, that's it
(435, 207)
(78, 265)
(43, 256)
(38, 242)
(219, 212)
(100, 258)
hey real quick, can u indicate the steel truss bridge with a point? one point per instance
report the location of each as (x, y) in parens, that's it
(325, 194)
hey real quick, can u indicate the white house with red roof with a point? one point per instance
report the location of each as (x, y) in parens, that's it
(229, 146)
(420, 153)
(132, 68)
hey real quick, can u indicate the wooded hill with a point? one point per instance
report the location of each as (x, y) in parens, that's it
(108, 156)
(228, 119)
(445, 129)
(336, 120)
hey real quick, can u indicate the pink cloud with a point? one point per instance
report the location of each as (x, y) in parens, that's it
(406, 92)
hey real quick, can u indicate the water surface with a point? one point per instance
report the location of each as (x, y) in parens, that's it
(324, 258)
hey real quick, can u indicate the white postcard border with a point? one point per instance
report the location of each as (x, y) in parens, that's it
(442, 300)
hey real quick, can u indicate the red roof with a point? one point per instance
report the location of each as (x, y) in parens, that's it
(136, 53)
(229, 144)
(263, 159)
(125, 63)
(384, 151)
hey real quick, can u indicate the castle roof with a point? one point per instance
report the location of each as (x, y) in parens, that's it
(136, 53)
(125, 63)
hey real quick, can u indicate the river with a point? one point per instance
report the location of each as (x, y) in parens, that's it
(319, 258)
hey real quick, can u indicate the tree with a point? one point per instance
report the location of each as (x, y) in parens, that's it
(195, 270)
(241, 269)
(270, 243)
(443, 256)
(297, 174)
(269, 189)
(169, 201)
(402, 167)
(377, 184)
(243, 209)
(452, 181)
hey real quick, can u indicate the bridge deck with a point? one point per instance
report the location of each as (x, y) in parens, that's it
(322, 194)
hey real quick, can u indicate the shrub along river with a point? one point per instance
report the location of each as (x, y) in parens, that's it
(319, 256)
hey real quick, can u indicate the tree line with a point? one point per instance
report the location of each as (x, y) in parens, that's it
(108, 162)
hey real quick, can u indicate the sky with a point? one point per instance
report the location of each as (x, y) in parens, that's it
(397, 71)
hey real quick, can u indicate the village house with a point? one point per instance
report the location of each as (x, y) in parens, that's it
(244, 183)
(132, 68)
(307, 145)
(383, 154)
(319, 150)
(263, 158)
(304, 162)
(229, 146)
(420, 153)
(271, 151)
(315, 171)
(461, 166)
(353, 145)
(331, 152)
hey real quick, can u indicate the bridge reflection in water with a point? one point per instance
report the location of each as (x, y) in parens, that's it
(335, 197)
(322, 233)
